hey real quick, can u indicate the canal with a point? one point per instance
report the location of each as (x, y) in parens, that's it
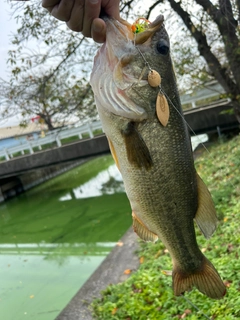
(54, 236)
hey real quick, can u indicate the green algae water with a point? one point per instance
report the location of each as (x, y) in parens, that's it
(54, 236)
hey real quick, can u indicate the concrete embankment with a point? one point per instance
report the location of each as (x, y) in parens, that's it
(111, 271)
(13, 186)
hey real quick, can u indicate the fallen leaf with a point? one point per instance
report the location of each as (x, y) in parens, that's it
(167, 272)
(127, 271)
(227, 283)
(119, 244)
(230, 247)
(114, 310)
(186, 312)
(141, 260)
(32, 296)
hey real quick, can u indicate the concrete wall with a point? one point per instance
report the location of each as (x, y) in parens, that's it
(13, 186)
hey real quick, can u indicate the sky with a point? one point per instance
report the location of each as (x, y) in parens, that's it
(7, 27)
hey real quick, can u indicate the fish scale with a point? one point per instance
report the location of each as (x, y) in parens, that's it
(155, 159)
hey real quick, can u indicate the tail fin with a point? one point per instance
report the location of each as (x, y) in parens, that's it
(206, 279)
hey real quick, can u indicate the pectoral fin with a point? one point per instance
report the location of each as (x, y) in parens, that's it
(142, 231)
(137, 150)
(205, 217)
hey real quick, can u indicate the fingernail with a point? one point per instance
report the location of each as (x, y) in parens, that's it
(96, 27)
(93, 1)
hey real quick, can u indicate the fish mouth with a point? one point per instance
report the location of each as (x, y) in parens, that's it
(126, 29)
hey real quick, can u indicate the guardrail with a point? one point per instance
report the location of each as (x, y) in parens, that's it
(52, 136)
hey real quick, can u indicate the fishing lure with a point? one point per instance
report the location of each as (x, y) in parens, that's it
(154, 78)
(140, 25)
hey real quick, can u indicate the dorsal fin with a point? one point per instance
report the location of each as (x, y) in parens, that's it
(206, 217)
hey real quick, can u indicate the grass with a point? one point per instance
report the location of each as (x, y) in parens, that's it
(147, 294)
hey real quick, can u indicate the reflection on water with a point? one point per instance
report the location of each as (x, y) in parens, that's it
(108, 181)
(199, 139)
(48, 248)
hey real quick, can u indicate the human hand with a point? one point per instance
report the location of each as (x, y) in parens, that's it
(83, 15)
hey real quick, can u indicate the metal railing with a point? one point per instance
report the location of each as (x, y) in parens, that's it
(51, 137)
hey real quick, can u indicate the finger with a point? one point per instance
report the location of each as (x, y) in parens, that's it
(98, 30)
(63, 10)
(91, 12)
(75, 22)
(49, 3)
(111, 8)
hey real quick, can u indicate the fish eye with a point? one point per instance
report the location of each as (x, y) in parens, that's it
(163, 47)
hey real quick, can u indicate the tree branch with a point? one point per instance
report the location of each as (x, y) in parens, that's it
(152, 7)
(204, 49)
(227, 25)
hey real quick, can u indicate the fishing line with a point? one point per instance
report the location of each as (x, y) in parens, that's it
(162, 91)
(201, 143)
(182, 116)
(145, 60)
(195, 307)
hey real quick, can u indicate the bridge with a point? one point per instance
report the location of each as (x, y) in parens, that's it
(82, 149)
(29, 164)
(214, 118)
(209, 119)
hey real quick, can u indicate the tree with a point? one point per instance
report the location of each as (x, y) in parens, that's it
(215, 22)
(52, 99)
(48, 70)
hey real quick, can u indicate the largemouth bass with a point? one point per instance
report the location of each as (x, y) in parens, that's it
(154, 155)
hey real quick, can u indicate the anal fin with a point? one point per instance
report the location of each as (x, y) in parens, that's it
(142, 231)
(206, 217)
